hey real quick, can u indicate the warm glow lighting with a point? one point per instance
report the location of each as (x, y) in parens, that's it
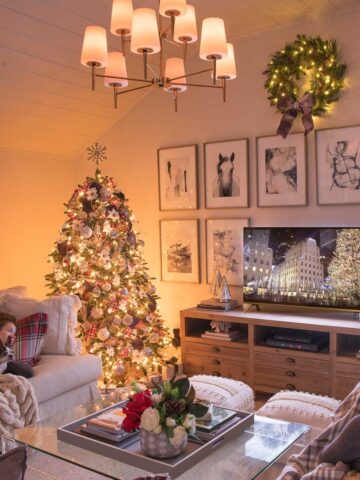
(185, 26)
(145, 34)
(175, 68)
(94, 51)
(171, 8)
(226, 67)
(213, 39)
(121, 17)
(116, 68)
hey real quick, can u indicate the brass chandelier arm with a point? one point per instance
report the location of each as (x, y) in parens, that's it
(133, 89)
(125, 78)
(190, 75)
(194, 85)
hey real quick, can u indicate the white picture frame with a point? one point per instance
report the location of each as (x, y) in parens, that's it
(226, 174)
(179, 250)
(338, 165)
(224, 248)
(281, 171)
(177, 173)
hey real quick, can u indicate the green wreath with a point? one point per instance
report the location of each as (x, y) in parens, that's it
(305, 56)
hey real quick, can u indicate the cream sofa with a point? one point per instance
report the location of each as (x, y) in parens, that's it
(62, 382)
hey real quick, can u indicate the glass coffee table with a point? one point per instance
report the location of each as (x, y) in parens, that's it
(245, 458)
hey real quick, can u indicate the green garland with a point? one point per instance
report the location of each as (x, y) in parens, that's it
(306, 56)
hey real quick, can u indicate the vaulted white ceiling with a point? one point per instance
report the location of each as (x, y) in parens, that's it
(46, 103)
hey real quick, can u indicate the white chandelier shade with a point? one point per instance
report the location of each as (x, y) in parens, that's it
(175, 68)
(172, 8)
(145, 33)
(116, 68)
(94, 50)
(121, 17)
(185, 29)
(226, 67)
(213, 39)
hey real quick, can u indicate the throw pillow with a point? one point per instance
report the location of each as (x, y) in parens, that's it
(62, 320)
(30, 333)
(19, 290)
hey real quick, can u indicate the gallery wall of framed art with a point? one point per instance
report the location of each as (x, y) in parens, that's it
(281, 170)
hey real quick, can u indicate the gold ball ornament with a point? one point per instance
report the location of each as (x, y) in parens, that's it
(106, 287)
(103, 334)
(97, 313)
(118, 370)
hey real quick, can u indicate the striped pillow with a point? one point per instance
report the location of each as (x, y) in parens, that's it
(30, 333)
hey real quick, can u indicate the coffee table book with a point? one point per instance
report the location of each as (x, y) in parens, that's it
(130, 452)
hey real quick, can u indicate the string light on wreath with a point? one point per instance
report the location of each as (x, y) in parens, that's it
(310, 57)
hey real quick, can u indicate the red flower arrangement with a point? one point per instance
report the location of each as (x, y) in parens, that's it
(135, 407)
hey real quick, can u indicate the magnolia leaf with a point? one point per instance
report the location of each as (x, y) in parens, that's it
(183, 385)
(169, 432)
(198, 410)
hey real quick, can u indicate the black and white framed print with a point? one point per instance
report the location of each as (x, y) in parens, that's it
(226, 174)
(281, 170)
(224, 248)
(338, 165)
(178, 178)
(180, 250)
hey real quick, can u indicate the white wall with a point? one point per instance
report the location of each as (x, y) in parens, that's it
(33, 190)
(133, 142)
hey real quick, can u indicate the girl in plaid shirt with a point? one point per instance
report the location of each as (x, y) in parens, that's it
(7, 340)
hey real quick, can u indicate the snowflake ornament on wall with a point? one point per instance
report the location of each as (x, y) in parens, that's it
(96, 153)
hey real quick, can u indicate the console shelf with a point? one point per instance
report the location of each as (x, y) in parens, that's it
(331, 369)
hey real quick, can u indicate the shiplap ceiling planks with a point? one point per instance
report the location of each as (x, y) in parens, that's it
(46, 104)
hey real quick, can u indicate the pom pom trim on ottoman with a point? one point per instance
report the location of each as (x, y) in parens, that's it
(222, 391)
(301, 407)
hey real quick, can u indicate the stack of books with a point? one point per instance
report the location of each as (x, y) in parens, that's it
(228, 336)
(108, 425)
(217, 305)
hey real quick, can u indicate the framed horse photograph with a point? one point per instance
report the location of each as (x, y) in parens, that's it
(338, 165)
(179, 249)
(224, 248)
(226, 174)
(178, 170)
(281, 170)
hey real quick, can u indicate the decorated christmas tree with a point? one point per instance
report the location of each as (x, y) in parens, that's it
(344, 268)
(100, 258)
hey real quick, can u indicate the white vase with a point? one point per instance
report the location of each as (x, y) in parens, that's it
(157, 445)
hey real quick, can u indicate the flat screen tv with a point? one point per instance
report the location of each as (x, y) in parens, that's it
(317, 267)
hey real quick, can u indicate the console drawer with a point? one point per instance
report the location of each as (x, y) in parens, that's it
(291, 362)
(233, 352)
(272, 379)
(348, 370)
(201, 364)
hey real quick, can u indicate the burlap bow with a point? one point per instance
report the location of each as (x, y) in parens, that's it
(291, 108)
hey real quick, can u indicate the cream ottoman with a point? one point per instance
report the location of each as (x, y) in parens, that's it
(301, 407)
(223, 391)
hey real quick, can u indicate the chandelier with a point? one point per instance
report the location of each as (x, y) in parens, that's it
(146, 32)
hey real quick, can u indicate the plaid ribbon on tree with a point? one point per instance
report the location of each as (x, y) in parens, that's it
(90, 333)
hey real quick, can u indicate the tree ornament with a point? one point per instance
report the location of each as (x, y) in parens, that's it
(119, 370)
(103, 334)
(306, 56)
(127, 320)
(96, 153)
(106, 287)
(97, 313)
(86, 232)
(224, 293)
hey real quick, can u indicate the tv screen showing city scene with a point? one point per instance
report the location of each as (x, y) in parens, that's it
(303, 266)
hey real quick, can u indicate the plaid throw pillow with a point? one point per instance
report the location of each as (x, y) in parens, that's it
(30, 333)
